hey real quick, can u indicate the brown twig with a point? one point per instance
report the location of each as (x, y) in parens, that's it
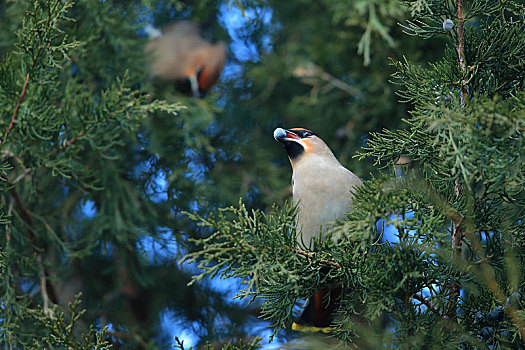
(461, 49)
(67, 144)
(427, 303)
(320, 261)
(15, 113)
(47, 289)
(311, 73)
(9, 212)
(180, 343)
(457, 223)
(21, 176)
(309, 256)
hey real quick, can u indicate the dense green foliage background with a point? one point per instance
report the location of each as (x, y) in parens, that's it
(101, 162)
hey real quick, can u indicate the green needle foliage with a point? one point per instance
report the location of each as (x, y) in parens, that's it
(453, 191)
(250, 346)
(243, 247)
(63, 134)
(98, 163)
(62, 327)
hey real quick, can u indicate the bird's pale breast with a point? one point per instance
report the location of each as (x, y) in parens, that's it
(323, 190)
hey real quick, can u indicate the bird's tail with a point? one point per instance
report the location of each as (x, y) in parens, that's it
(318, 313)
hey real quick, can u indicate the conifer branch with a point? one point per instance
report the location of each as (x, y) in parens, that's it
(46, 288)
(311, 74)
(179, 343)
(320, 261)
(9, 212)
(15, 113)
(461, 49)
(427, 303)
(457, 229)
(21, 176)
(67, 144)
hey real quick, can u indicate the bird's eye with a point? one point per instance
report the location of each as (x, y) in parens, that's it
(307, 133)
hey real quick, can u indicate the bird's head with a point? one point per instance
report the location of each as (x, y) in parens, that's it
(299, 142)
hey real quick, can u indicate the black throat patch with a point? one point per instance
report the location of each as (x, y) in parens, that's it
(294, 149)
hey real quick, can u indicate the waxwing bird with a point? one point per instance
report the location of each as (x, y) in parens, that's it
(180, 54)
(322, 189)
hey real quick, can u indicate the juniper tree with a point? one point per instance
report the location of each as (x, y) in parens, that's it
(97, 162)
(80, 190)
(452, 188)
(100, 170)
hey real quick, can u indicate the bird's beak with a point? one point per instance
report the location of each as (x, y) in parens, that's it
(283, 135)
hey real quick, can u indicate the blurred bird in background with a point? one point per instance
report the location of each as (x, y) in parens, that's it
(322, 189)
(180, 54)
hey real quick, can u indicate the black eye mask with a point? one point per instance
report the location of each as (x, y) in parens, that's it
(294, 149)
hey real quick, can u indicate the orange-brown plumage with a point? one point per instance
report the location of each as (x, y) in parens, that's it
(181, 53)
